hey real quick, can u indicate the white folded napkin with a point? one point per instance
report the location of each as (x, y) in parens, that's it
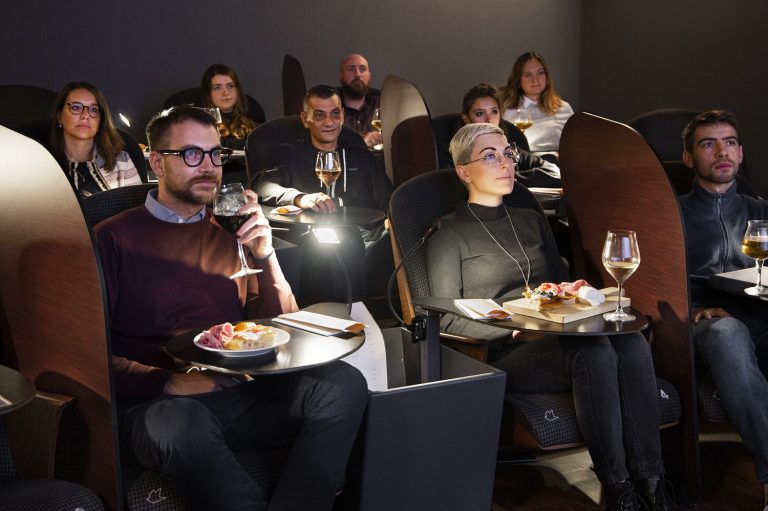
(481, 308)
(319, 323)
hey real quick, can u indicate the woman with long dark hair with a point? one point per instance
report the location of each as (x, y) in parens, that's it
(222, 89)
(86, 143)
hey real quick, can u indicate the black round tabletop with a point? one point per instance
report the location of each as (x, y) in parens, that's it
(303, 350)
(15, 390)
(594, 325)
(737, 286)
(344, 216)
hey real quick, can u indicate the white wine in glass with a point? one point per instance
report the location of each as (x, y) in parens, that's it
(328, 169)
(755, 245)
(522, 119)
(621, 257)
(376, 124)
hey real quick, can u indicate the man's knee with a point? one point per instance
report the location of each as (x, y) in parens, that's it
(724, 341)
(343, 386)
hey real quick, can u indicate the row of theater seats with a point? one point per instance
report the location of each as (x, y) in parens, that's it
(591, 153)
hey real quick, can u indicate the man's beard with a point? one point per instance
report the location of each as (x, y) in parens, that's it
(714, 177)
(355, 89)
(186, 195)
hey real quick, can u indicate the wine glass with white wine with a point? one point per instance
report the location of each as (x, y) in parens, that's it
(376, 124)
(755, 245)
(522, 119)
(621, 257)
(328, 169)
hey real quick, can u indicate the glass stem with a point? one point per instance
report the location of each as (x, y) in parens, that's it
(243, 262)
(619, 310)
(759, 284)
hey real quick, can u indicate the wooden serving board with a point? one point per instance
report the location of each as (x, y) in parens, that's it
(567, 313)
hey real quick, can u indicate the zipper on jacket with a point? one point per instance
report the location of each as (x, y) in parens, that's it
(724, 232)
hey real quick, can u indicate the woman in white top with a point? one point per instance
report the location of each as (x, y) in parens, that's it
(530, 86)
(86, 143)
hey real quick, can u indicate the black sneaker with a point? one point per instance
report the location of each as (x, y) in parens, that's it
(658, 494)
(622, 497)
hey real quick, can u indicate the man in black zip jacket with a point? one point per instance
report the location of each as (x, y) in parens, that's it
(730, 332)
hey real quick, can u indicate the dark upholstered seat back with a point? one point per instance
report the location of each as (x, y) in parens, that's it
(24, 103)
(100, 206)
(662, 130)
(413, 208)
(294, 86)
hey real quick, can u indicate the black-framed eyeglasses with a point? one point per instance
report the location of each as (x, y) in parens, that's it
(77, 108)
(495, 158)
(193, 156)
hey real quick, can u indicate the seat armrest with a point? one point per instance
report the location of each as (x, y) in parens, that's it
(470, 346)
(33, 432)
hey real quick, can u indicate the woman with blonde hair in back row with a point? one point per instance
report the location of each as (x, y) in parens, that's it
(530, 86)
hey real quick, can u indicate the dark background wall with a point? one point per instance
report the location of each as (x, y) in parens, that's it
(140, 52)
(616, 58)
(698, 54)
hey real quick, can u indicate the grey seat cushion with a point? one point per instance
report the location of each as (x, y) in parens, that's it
(551, 418)
(47, 495)
(147, 490)
(709, 401)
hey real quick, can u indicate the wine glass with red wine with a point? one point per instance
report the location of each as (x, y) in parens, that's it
(226, 210)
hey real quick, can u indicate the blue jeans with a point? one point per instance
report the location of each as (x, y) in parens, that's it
(614, 392)
(725, 348)
(191, 438)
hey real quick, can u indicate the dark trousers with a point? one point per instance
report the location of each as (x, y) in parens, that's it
(614, 392)
(191, 438)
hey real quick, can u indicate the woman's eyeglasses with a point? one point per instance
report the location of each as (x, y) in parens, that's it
(495, 158)
(77, 109)
(194, 156)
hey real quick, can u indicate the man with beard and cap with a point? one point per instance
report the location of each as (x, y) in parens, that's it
(166, 270)
(730, 333)
(357, 97)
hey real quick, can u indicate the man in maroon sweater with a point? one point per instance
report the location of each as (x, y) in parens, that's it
(166, 268)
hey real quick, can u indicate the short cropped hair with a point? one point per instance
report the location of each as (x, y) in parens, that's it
(159, 126)
(709, 118)
(464, 140)
(322, 92)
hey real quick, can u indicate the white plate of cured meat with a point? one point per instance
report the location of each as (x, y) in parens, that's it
(241, 340)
